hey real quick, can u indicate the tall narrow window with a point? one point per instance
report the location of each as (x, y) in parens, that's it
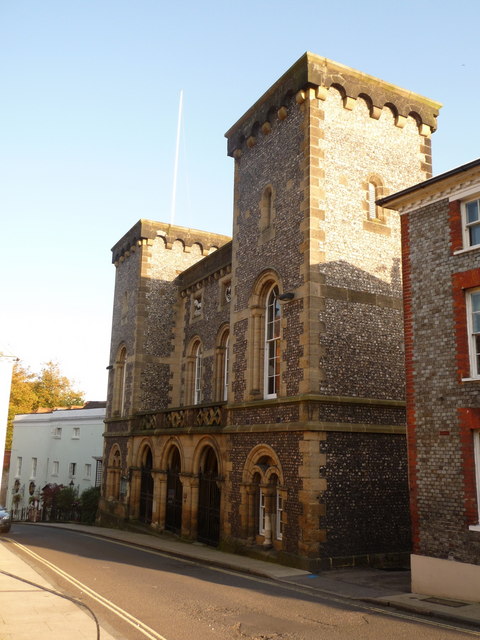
(34, 468)
(19, 466)
(55, 467)
(279, 518)
(272, 344)
(225, 370)
(120, 373)
(197, 391)
(473, 323)
(472, 223)
(476, 449)
(372, 196)
(261, 513)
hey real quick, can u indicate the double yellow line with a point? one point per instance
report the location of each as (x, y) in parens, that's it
(121, 613)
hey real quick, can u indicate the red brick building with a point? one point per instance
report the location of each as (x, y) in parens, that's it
(256, 395)
(440, 221)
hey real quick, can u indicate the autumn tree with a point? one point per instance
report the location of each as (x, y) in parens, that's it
(46, 390)
(55, 390)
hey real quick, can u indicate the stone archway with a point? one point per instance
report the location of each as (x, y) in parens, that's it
(146, 487)
(173, 507)
(208, 515)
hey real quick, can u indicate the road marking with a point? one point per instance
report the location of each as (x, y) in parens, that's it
(288, 586)
(388, 611)
(121, 613)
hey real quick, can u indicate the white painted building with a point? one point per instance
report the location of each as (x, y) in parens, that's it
(61, 446)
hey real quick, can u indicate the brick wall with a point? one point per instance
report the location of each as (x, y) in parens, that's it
(441, 412)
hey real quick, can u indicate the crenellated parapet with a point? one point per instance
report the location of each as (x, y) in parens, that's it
(145, 232)
(312, 77)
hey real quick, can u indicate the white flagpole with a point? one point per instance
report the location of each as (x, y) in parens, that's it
(175, 169)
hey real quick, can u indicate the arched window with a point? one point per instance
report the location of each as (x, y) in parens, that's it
(272, 344)
(372, 197)
(194, 373)
(120, 373)
(266, 208)
(265, 497)
(375, 191)
(114, 474)
(225, 369)
(197, 392)
(221, 365)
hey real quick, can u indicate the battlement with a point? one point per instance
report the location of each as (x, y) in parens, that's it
(312, 72)
(146, 231)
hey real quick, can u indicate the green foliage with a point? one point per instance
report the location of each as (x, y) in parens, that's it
(89, 504)
(50, 493)
(66, 498)
(55, 390)
(47, 390)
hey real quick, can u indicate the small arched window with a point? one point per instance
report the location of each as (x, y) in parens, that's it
(375, 191)
(266, 208)
(272, 344)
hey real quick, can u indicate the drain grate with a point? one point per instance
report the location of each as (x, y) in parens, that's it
(445, 603)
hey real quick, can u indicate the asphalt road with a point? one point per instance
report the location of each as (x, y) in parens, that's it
(138, 594)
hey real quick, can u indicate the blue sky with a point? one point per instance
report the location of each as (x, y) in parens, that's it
(88, 116)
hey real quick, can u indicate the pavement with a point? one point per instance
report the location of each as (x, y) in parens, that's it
(30, 607)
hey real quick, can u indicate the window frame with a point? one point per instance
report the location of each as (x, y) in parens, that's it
(197, 373)
(272, 342)
(261, 510)
(476, 455)
(55, 467)
(279, 510)
(473, 336)
(466, 226)
(226, 362)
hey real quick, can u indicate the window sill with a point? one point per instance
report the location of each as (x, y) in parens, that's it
(474, 527)
(471, 379)
(467, 250)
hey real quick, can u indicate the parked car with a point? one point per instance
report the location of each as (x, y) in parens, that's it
(5, 520)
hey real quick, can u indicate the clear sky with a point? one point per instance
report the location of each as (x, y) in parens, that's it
(88, 116)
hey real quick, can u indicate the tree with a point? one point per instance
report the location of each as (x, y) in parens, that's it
(89, 504)
(55, 390)
(47, 390)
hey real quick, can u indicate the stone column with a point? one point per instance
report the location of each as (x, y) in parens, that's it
(251, 533)
(134, 503)
(270, 494)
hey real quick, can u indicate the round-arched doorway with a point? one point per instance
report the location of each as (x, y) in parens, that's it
(208, 517)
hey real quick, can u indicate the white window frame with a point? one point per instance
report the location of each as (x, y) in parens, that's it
(197, 374)
(279, 513)
(57, 432)
(476, 451)
(261, 512)
(55, 467)
(76, 433)
(473, 336)
(466, 226)
(88, 471)
(72, 469)
(34, 468)
(19, 466)
(272, 343)
(225, 370)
